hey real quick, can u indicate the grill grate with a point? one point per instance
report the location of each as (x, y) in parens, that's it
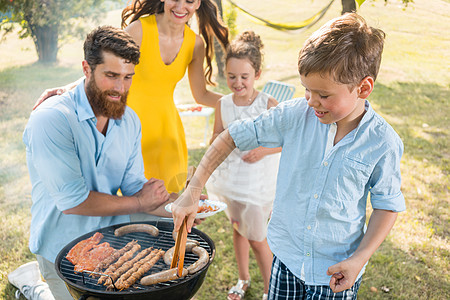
(163, 241)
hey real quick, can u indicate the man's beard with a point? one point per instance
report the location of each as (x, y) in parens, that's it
(100, 103)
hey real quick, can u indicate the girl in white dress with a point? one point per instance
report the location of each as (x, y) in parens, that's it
(246, 181)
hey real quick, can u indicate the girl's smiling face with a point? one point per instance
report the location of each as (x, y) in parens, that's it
(334, 102)
(241, 78)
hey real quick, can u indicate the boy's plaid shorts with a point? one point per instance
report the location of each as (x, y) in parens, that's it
(285, 285)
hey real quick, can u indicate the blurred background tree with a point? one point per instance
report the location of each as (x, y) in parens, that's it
(50, 22)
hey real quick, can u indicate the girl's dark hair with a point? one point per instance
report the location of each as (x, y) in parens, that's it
(247, 45)
(109, 39)
(209, 24)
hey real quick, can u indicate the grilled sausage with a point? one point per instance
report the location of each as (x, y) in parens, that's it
(147, 228)
(202, 260)
(168, 256)
(167, 275)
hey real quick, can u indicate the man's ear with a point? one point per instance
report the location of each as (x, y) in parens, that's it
(86, 69)
(365, 87)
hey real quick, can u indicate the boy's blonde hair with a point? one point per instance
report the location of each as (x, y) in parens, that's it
(345, 48)
(247, 45)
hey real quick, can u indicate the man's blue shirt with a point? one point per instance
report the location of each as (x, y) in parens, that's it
(67, 158)
(319, 212)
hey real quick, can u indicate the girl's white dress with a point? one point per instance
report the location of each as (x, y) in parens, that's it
(248, 189)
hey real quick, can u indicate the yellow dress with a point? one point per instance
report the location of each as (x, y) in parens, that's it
(151, 97)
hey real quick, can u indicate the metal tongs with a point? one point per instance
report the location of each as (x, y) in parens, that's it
(180, 243)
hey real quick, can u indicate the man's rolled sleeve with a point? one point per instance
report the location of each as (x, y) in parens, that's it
(70, 194)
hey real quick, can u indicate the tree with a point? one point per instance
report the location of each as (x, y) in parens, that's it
(348, 6)
(50, 22)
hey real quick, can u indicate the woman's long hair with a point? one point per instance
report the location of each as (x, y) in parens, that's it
(209, 24)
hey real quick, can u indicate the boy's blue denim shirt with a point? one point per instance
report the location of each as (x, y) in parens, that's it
(319, 213)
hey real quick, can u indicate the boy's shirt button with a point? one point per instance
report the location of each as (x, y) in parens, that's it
(309, 227)
(325, 164)
(316, 196)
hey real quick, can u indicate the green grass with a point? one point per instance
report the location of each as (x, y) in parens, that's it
(412, 93)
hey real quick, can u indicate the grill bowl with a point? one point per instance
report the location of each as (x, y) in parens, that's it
(82, 286)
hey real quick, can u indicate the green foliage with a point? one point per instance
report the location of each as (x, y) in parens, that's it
(229, 17)
(405, 2)
(68, 17)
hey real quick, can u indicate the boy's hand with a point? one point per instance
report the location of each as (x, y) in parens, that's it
(186, 206)
(343, 275)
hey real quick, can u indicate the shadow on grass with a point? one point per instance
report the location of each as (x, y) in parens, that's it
(419, 113)
(398, 275)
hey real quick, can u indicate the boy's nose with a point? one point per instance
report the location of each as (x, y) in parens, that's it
(312, 101)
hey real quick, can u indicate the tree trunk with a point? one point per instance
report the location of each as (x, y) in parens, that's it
(46, 41)
(348, 6)
(217, 47)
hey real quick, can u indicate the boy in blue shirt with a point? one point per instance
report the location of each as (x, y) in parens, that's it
(335, 150)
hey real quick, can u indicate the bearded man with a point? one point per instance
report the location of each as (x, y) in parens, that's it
(82, 147)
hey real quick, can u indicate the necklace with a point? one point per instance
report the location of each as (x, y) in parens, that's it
(251, 97)
(249, 101)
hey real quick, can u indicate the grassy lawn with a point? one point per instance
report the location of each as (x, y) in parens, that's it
(412, 93)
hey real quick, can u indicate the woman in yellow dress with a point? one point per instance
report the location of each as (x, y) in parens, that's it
(169, 47)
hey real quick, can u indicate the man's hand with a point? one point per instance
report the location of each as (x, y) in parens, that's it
(343, 274)
(152, 195)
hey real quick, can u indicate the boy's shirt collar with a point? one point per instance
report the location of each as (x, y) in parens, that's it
(352, 134)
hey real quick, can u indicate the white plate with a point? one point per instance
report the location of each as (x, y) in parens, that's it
(216, 204)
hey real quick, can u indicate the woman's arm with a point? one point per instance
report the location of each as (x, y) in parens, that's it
(56, 91)
(135, 30)
(196, 76)
(218, 126)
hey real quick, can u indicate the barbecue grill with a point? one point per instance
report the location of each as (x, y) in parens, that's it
(83, 286)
